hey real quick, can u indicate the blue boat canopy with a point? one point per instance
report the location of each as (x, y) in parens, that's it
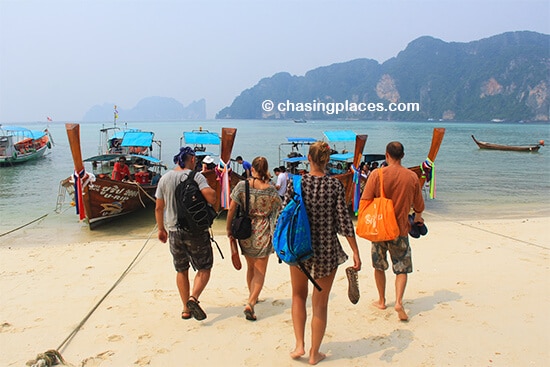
(22, 131)
(340, 135)
(120, 134)
(341, 157)
(295, 159)
(201, 137)
(110, 157)
(137, 139)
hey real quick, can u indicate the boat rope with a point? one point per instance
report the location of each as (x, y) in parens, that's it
(24, 225)
(488, 231)
(43, 358)
(141, 189)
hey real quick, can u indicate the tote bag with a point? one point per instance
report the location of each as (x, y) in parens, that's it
(376, 220)
(241, 226)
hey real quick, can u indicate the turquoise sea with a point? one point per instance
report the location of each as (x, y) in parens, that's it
(471, 183)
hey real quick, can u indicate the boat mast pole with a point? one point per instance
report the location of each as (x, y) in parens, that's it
(115, 113)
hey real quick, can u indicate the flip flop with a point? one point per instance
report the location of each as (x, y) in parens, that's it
(414, 231)
(422, 228)
(249, 313)
(186, 315)
(236, 260)
(195, 309)
(235, 257)
(353, 285)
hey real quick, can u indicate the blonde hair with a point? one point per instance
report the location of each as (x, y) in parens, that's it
(320, 153)
(262, 170)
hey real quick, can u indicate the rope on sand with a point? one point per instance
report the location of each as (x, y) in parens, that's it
(24, 225)
(53, 356)
(488, 231)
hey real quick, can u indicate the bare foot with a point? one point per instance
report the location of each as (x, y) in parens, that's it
(401, 313)
(313, 360)
(297, 353)
(380, 305)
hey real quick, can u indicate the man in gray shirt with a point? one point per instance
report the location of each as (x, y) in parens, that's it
(186, 247)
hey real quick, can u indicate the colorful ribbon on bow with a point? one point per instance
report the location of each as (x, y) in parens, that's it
(224, 173)
(356, 188)
(79, 202)
(428, 172)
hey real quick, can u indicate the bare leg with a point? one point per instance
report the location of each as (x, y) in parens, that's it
(400, 284)
(249, 272)
(182, 282)
(199, 283)
(380, 280)
(299, 315)
(319, 303)
(257, 267)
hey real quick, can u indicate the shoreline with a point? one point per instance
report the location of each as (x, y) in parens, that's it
(473, 298)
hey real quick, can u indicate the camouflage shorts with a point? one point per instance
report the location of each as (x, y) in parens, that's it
(400, 254)
(191, 248)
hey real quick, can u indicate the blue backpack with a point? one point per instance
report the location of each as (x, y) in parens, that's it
(292, 235)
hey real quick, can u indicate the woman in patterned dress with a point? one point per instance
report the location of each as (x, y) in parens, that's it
(328, 215)
(265, 205)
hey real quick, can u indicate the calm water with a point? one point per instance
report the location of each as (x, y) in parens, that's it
(471, 183)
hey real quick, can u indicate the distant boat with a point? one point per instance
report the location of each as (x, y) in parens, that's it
(19, 144)
(300, 121)
(516, 148)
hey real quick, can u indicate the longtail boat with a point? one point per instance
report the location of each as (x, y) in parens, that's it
(19, 144)
(341, 164)
(99, 198)
(223, 179)
(200, 140)
(345, 166)
(426, 170)
(293, 159)
(515, 148)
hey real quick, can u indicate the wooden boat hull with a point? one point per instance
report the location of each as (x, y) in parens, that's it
(513, 148)
(106, 199)
(214, 182)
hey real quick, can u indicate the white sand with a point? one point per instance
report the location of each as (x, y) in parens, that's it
(478, 296)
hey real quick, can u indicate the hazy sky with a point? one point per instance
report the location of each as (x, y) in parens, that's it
(59, 58)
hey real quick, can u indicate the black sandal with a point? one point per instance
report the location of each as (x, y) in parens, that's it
(195, 309)
(249, 313)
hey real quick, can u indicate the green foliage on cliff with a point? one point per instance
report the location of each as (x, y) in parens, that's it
(505, 77)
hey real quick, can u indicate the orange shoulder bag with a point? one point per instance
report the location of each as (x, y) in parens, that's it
(376, 220)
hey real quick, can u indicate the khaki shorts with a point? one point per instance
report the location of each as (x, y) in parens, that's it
(400, 254)
(188, 248)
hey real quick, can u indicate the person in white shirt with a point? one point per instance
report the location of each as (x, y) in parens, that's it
(282, 179)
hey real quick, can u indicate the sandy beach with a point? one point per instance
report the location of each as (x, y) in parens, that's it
(477, 297)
